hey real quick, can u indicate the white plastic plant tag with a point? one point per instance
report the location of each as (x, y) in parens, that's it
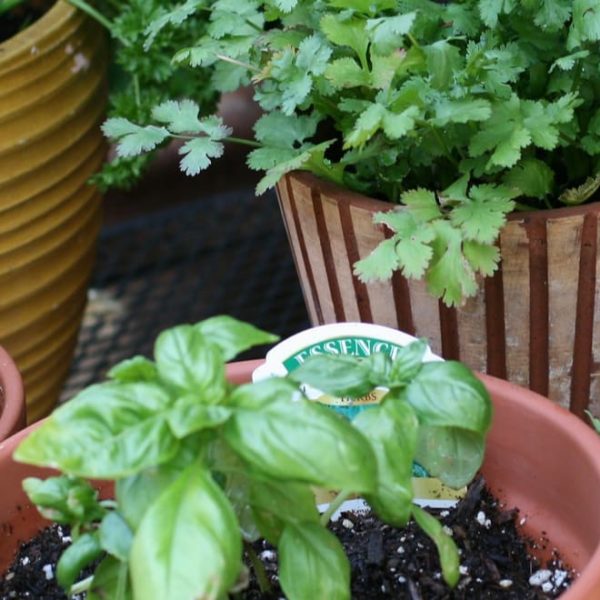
(357, 339)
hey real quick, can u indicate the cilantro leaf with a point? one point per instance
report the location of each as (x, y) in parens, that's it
(531, 177)
(180, 117)
(461, 111)
(278, 129)
(384, 31)
(133, 139)
(407, 250)
(481, 218)
(198, 153)
(450, 275)
(346, 72)
(422, 205)
(483, 258)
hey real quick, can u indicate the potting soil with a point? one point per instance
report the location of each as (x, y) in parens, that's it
(386, 562)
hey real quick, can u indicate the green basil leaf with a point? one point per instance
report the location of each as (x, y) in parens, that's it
(232, 475)
(111, 581)
(449, 394)
(233, 336)
(312, 564)
(188, 416)
(108, 431)
(450, 453)
(303, 441)
(275, 504)
(391, 428)
(135, 494)
(64, 499)
(190, 362)
(336, 375)
(407, 363)
(84, 550)
(138, 368)
(115, 536)
(188, 544)
(448, 553)
(257, 395)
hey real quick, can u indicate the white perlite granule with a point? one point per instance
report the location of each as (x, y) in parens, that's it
(540, 577)
(48, 572)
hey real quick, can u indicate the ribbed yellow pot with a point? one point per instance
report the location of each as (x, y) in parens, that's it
(52, 99)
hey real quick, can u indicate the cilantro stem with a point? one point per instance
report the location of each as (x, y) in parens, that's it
(243, 141)
(136, 90)
(239, 63)
(81, 586)
(259, 569)
(334, 505)
(413, 41)
(98, 16)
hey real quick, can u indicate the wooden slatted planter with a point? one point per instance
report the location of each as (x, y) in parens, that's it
(536, 322)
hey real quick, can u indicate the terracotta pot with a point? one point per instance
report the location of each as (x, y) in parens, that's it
(52, 100)
(539, 458)
(12, 397)
(536, 322)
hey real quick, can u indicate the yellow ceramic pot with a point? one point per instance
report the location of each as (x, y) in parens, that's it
(52, 100)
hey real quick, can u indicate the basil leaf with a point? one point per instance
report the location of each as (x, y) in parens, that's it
(84, 550)
(257, 395)
(111, 581)
(391, 428)
(115, 536)
(188, 416)
(109, 431)
(312, 564)
(233, 336)
(64, 499)
(188, 543)
(274, 505)
(135, 494)
(449, 394)
(407, 363)
(450, 453)
(303, 441)
(448, 553)
(187, 360)
(134, 369)
(335, 375)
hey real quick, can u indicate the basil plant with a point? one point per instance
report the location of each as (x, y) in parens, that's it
(202, 467)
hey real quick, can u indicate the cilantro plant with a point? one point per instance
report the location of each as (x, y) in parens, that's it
(458, 111)
(202, 467)
(141, 77)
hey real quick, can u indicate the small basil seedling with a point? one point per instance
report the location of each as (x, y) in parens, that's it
(203, 467)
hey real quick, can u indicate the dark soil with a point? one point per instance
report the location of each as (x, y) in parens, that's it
(386, 562)
(21, 16)
(403, 564)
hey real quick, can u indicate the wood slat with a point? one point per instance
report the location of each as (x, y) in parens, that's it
(471, 327)
(539, 366)
(584, 323)
(563, 251)
(515, 274)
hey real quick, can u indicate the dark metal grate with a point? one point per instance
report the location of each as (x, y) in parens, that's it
(227, 254)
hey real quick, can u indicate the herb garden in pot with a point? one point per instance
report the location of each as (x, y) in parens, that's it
(198, 464)
(477, 118)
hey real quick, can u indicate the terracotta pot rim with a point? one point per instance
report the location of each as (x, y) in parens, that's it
(12, 406)
(582, 436)
(330, 189)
